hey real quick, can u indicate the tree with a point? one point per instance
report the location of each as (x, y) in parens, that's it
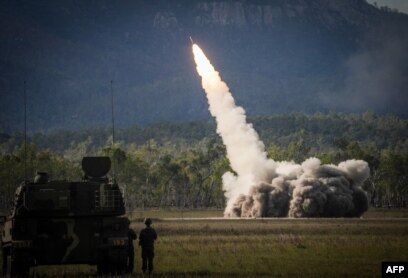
(394, 181)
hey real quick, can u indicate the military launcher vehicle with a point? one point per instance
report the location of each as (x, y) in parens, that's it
(66, 222)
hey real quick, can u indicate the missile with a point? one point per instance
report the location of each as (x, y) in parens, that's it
(192, 42)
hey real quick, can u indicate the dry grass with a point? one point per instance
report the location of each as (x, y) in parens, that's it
(267, 247)
(140, 214)
(287, 248)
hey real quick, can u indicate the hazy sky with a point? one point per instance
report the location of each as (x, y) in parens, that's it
(401, 5)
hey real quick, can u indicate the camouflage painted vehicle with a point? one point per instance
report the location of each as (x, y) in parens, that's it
(65, 222)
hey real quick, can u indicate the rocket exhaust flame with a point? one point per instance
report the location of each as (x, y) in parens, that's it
(263, 187)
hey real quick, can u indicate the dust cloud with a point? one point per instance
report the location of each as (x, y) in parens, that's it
(262, 187)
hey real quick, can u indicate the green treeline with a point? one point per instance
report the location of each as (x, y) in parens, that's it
(181, 164)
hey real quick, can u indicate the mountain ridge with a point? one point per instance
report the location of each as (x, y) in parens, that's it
(276, 56)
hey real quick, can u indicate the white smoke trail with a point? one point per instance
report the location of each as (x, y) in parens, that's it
(263, 187)
(245, 151)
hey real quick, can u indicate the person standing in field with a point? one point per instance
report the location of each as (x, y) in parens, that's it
(131, 251)
(146, 240)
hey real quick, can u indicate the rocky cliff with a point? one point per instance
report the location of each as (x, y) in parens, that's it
(271, 13)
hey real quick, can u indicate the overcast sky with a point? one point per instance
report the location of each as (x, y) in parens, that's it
(401, 5)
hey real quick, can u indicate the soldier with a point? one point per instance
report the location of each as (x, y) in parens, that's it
(146, 241)
(131, 237)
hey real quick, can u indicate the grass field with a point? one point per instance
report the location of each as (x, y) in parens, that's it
(212, 213)
(266, 247)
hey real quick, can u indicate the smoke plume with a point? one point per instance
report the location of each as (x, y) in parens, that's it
(262, 187)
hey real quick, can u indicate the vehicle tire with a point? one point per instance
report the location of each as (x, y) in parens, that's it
(113, 262)
(18, 266)
(3, 261)
(121, 267)
(101, 268)
(123, 262)
(6, 261)
(7, 269)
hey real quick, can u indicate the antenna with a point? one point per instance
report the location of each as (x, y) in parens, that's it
(25, 134)
(113, 131)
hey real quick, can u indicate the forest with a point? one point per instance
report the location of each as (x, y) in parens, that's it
(180, 165)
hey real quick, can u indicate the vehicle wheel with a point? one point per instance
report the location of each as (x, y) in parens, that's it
(121, 267)
(116, 263)
(101, 268)
(6, 260)
(7, 267)
(121, 262)
(17, 266)
(114, 266)
(3, 262)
